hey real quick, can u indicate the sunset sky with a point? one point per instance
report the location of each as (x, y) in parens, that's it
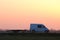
(19, 14)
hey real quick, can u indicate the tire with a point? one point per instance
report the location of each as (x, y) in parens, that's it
(46, 31)
(33, 31)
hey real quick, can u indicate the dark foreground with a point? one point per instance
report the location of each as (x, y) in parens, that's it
(30, 36)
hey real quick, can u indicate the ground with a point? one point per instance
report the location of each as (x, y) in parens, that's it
(30, 37)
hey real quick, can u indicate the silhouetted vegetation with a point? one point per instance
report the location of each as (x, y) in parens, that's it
(27, 35)
(30, 36)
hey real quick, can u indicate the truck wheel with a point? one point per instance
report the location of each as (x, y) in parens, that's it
(46, 31)
(33, 31)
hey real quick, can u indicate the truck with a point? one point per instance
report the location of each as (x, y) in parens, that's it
(34, 28)
(40, 28)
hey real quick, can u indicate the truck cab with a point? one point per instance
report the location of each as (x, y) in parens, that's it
(38, 28)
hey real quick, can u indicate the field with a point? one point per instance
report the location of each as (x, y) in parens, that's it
(30, 36)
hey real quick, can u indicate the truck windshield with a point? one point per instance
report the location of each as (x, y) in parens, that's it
(41, 26)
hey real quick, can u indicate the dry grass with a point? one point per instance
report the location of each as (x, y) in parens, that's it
(30, 37)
